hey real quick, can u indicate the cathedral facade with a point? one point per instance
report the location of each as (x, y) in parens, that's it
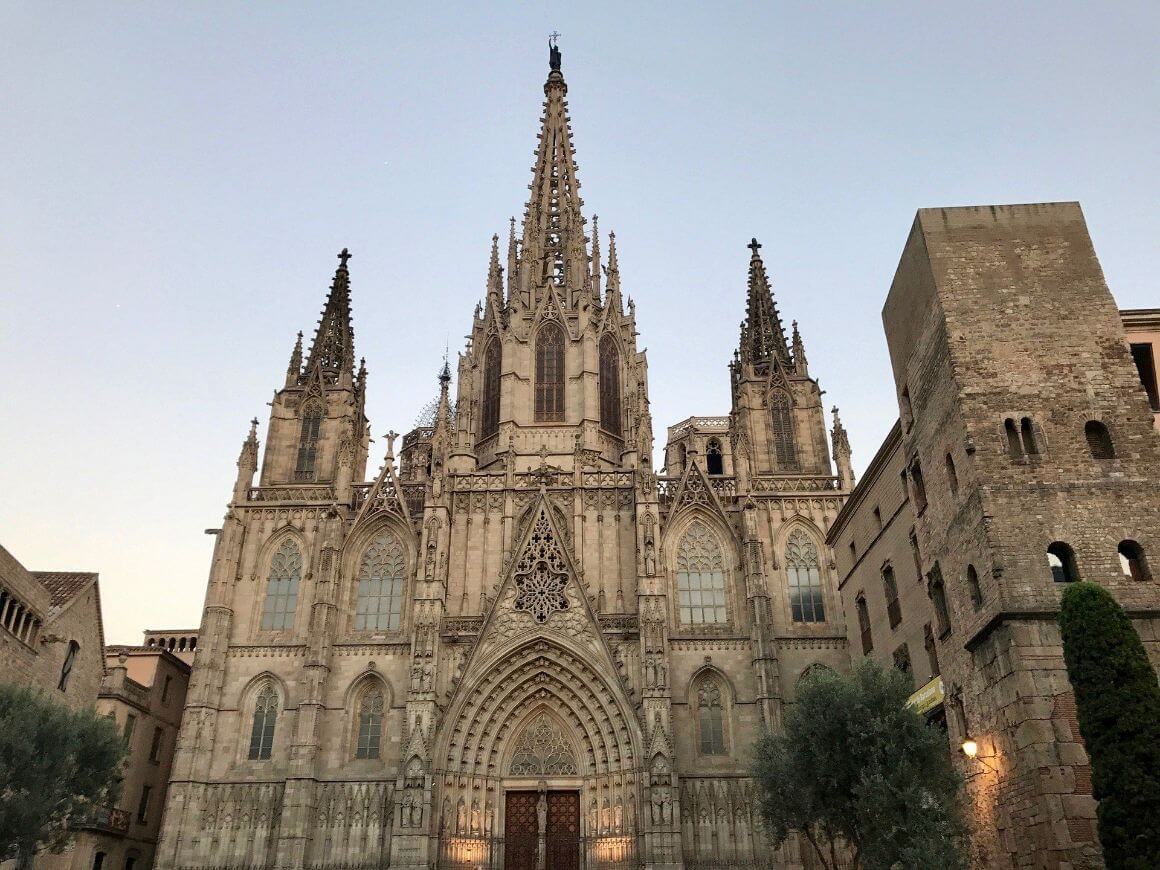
(517, 643)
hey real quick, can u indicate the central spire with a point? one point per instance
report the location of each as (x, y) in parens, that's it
(762, 335)
(554, 248)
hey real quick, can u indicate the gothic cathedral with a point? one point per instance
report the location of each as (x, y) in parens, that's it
(518, 644)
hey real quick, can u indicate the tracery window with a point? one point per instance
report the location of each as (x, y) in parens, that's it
(308, 442)
(489, 413)
(781, 415)
(370, 724)
(700, 577)
(382, 577)
(549, 387)
(541, 573)
(282, 588)
(610, 414)
(542, 751)
(714, 461)
(711, 717)
(262, 731)
(804, 572)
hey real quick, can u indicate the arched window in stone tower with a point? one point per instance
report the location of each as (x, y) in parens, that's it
(489, 411)
(370, 723)
(549, 386)
(781, 431)
(610, 415)
(282, 588)
(710, 716)
(700, 577)
(262, 729)
(714, 461)
(382, 577)
(803, 569)
(308, 441)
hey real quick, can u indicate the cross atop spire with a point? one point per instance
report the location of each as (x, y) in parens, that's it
(554, 50)
(762, 335)
(333, 347)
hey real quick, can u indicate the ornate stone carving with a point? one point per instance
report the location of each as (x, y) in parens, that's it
(542, 751)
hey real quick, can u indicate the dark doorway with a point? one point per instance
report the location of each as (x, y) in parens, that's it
(560, 837)
(563, 835)
(520, 831)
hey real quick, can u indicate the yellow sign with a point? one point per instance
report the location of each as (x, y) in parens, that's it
(928, 697)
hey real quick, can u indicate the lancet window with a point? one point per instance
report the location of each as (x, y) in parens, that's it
(262, 730)
(308, 442)
(610, 413)
(711, 717)
(382, 577)
(370, 724)
(282, 588)
(804, 571)
(549, 386)
(489, 412)
(781, 422)
(700, 577)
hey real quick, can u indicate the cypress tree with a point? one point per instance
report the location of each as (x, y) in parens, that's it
(1118, 705)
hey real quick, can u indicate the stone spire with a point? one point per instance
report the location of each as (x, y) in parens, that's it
(553, 248)
(762, 335)
(613, 272)
(294, 369)
(799, 353)
(513, 262)
(841, 445)
(494, 279)
(333, 347)
(595, 278)
(247, 463)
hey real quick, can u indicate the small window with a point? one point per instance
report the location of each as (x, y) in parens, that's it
(165, 689)
(130, 862)
(973, 585)
(931, 650)
(1146, 366)
(66, 668)
(1027, 436)
(907, 411)
(864, 624)
(952, 476)
(262, 732)
(155, 746)
(902, 659)
(1099, 440)
(938, 597)
(1132, 561)
(917, 485)
(130, 725)
(1014, 445)
(878, 518)
(99, 861)
(1061, 560)
(917, 556)
(143, 804)
(893, 608)
(713, 459)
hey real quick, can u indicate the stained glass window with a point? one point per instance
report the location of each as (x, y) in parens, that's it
(381, 580)
(282, 588)
(370, 724)
(262, 732)
(610, 415)
(700, 577)
(550, 374)
(489, 414)
(804, 571)
(711, 718)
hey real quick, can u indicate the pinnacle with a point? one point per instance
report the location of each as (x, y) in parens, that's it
(333, 345)
(762, 335)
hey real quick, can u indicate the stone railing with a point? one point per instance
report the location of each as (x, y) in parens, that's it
(724, 487)
(794, 483)
(704, 424)
(290, 494)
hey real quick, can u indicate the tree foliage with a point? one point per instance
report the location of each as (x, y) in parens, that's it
(1117, 703)
(856, 766)
(56, 766)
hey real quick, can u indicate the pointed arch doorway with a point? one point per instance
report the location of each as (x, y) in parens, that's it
(542, 824)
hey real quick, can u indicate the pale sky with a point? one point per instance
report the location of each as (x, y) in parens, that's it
(176, 179)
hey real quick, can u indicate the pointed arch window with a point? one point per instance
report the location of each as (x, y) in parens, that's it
(714, 461)
(282, 588)
(370, 724)
(381, 579)
(781, 414)
(804, 571)
(610, 414)
(489, 413)
(541, 750)
(711, 717)
(262, 730)
(549, 386)
(700, 577)
(308, 441)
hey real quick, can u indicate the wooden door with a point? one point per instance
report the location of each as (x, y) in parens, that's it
(562, 841)
(520, 831)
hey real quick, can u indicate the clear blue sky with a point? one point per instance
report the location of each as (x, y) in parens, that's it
(177, 178)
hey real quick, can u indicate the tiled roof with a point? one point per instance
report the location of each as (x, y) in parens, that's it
(64, 586)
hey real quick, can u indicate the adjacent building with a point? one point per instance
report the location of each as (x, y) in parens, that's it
(1025, 458)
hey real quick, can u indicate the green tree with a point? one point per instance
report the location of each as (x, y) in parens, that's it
(861, 775)
(56, 766)
(1117, 701)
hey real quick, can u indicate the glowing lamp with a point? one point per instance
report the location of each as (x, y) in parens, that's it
(970, 748)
